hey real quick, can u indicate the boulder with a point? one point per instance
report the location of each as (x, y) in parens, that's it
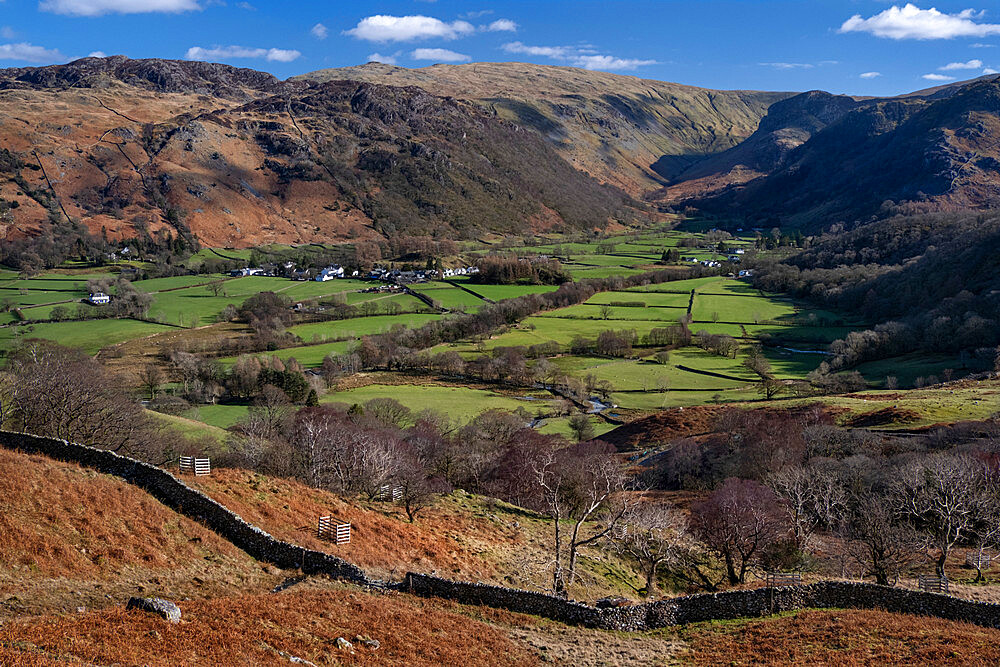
(158, 606)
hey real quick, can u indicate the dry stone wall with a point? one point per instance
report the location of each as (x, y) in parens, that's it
(714, 606)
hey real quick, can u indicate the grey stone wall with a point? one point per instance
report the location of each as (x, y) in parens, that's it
(712, 606)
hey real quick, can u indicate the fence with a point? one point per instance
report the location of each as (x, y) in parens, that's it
(977, 560)
(388, 492)
(340, 533)
(932, 584)
(783, 579)
(190, 464)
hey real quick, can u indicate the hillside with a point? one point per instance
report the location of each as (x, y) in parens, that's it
(839, 173)
(630, 132)
(72, 537)
(240, 159)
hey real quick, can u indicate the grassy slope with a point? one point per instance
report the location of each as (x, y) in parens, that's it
(91, 335)
(69, 536)
(460, 537)
(266, 630)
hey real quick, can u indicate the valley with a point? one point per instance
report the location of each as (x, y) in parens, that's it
(540, 335)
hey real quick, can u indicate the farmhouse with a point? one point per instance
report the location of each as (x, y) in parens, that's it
(99, 298)
(247, 272)
(330, 273)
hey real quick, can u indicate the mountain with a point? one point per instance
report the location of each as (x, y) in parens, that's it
(239, 158)
(633, 133)
(789, 123)
(924, 152)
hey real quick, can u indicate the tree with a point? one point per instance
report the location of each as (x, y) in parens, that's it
(737, 521)
(882, 546)
(151, 377)
(62, 393)
(581, 484)
(651, 537)
(215, 287)
(606, 311)
(941, 495)
(581, 426)
(662, 357)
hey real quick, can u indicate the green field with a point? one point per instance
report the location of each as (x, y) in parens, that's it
(651, 299)
(741, 309)
(449, 296)
(189, 429)
(219, 416)
(90, 335)
(501, 292)
(459, 404)
(360, 326)
(310, 356)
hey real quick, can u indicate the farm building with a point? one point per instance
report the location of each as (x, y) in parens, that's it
(330, 273)
(99, 298)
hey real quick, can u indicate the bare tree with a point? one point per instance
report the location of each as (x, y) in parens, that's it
(151, 377)
(651, 537)
(878, 542)
(941, 495)
(62, 393)
(737, 521)
(582, 484)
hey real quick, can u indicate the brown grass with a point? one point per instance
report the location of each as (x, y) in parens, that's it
(842, 637)
(257, 629)
(444, 538)
(71, 537)
(61, 519)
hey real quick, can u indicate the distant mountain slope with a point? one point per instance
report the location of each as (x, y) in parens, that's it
(240, 158)
(630, 132)
(906, 154)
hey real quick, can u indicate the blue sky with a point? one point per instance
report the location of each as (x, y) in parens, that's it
(862, 47)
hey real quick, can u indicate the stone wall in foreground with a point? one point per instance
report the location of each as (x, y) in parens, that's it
(710, 606)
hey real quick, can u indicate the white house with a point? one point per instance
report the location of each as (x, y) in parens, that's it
(330, 273)
(99, 298)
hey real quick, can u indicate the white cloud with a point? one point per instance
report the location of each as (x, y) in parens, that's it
(870, 75)
(102, 7)
(583, 57)
(30, 53)
(990, 70)
(319, 31)
(247, 6)
(7, 32)
(911, 22)
(972, 64)
(978, 45)
(501, 25)
(788, 65)
(938, 77)
(440, 56)
(379, 58)
(227, 52)
(609, 62)
(385, 28)
(559, 52)
(475, 15)
(97, 54)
